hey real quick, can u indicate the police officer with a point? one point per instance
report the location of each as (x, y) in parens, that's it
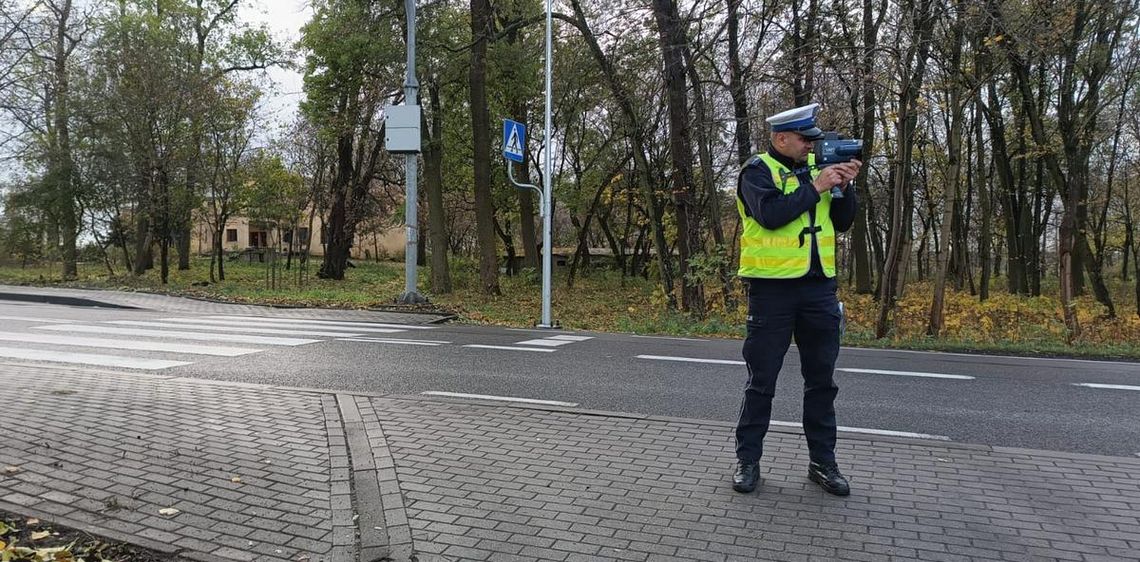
(787, 258)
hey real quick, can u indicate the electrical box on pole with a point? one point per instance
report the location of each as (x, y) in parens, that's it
(402, 129)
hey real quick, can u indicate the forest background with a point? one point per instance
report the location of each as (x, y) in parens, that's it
(998, 205)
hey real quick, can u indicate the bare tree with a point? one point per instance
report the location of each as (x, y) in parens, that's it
(922, 15)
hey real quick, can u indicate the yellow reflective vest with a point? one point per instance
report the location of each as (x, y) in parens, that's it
(785, 253)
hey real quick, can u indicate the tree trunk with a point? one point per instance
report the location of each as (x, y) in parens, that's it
(64, 166)
(737, 78)
(144, 240)
(672, 41)
(481, 144)
(508, 245)
(527, 230)
(339, 246)
(706, 132)
(917, 54)
(805, 39)
(860, 239)
(985, 242)
(433, 185)
(953, 177)
(215, 253)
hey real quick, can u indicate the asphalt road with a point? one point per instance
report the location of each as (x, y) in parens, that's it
(1000, 401)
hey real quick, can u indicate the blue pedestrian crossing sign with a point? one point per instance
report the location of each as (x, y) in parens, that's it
(514, 139)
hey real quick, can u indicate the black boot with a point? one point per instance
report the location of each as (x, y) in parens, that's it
(829, 478)
(746, 476)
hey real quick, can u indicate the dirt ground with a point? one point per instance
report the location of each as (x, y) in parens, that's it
(30, 539)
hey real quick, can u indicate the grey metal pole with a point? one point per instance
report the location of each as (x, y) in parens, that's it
(411, 91)
(547, 221)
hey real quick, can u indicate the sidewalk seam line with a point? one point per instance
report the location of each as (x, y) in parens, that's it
(401, 546)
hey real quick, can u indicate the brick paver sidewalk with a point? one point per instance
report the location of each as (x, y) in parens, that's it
(265, 473)
(172, 304)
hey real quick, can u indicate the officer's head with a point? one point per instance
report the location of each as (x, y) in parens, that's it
(794, 130)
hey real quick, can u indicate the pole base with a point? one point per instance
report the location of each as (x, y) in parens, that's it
(553, 325)
(412, 297)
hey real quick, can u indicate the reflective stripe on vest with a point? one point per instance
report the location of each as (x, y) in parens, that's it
(779, 253)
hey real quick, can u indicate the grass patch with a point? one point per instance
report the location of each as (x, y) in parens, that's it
(603, 301)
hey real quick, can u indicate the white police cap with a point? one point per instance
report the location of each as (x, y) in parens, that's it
(800, 120)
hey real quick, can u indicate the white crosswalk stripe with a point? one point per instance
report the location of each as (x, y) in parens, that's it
(262, 320)
(176, 342)
(555, 341)
(56, 356)
(299, 325)
(200, 336)
(172, 347)
(257, 329)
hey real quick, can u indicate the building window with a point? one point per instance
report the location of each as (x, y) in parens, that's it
(231, 235)
(287, 237)
(258, 239)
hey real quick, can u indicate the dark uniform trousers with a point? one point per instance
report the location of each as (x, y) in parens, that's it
(778, 309)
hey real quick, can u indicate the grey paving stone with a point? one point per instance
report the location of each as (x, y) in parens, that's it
(472, 481)
(901, 507)
(165, 442)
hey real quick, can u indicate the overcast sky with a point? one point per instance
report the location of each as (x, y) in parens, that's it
(284, 18)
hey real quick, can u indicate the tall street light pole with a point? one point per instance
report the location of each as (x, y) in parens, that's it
(547, 222)
(411, 91)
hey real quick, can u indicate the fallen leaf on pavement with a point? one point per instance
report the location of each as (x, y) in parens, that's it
(236, 479)
(168, 512)
(11, 469)
(40, 535)
(33, 521)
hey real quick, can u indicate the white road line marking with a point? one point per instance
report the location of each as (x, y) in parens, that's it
(545, 342)
(534, 330)
(690, 360)
(982, 355)
(906, 374)
(171, 347)
(509, 348)
(89, 359)
(256, 329)
(42, 320)
(297, 326)
(666, 338)
(886, 432)
(1106, 386)
(376, 338)
(287, 320)
(500, 398)
(571, 338)
(200, 336)
(400, 342)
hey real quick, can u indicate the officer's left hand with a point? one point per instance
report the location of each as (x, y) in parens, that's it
(848, 171)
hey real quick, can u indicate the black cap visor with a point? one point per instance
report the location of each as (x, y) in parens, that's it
(811, 134)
